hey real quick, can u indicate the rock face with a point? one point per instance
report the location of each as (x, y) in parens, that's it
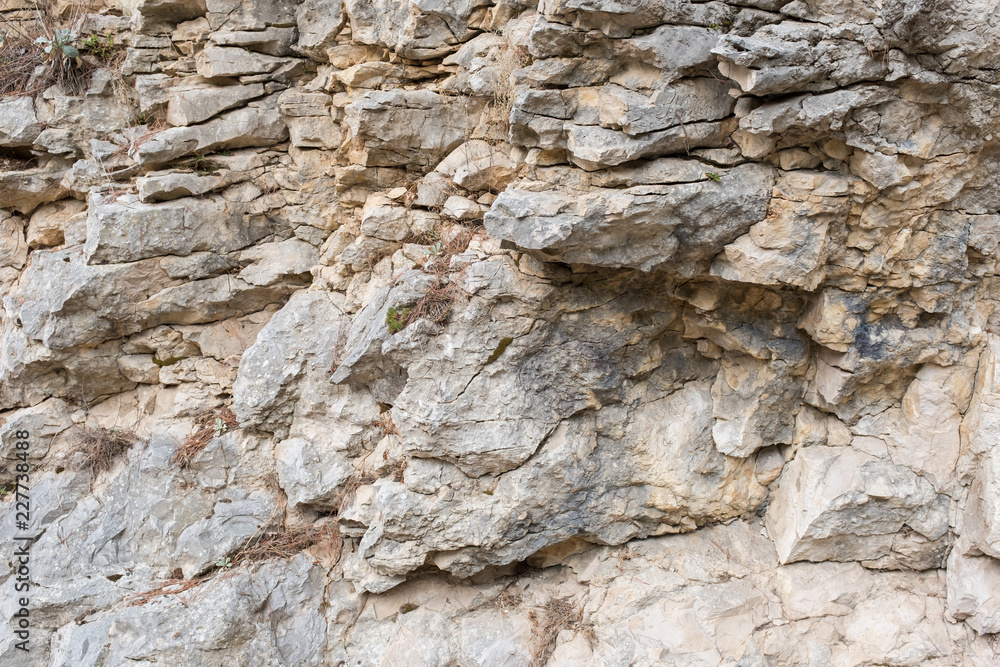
(573, 332)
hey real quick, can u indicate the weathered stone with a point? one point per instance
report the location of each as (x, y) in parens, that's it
(19, 125)
(272, 40)
(258, 124)
(127, 230)
(48, 223)
(65, 302)
(42, 423)
(319, 22)
(415, 31)
(310, 475)
(476, 166)
(13, 245)
(265, 393)
(24, 191)
(739, 260)
(406, 127)
(194, 105)
(165, 186)
(174, 10)
(218, 61)
(790, 245)
(971, 580)
(851, 505)
(644, 227)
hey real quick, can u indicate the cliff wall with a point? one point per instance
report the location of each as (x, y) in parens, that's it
(549, 332)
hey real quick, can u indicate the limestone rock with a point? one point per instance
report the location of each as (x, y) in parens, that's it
(970, 582)
(258, 124)
(19, 125)
(790, 245)
(42, 422)
(310, 475)
(711, 384)
(164, 186)
(319, 22)
(24, 191)
(265, 393)
(406, 127)
(852, 505)
(48, 223)
(218, 61)
(476, 166)
(414, 31)
(272, 40)
(66, 302)
(127, 230)
(13, 245)
(194, 105)
(642, 227)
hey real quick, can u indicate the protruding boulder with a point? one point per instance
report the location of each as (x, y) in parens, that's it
(844, 504)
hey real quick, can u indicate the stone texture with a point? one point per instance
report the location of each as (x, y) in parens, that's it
(406, 127)
(187, 107)
(575, 332)
(851, 505)
(19, 125)
(642, 227)
(48, 223)
(218, 61)
(127, 230)
(257, 124)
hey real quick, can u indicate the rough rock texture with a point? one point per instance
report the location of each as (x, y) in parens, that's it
(505, 332)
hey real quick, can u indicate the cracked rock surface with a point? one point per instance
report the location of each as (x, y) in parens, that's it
(505, 332)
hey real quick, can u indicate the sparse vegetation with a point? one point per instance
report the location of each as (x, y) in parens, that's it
(209, 425)
(39, 53)
(510, 59)
(555, 616)
(102, 446)
(713, 176)
(105, 49)
(199, 164)
(284, 544)
(384, 425)
(437, 301)
(396, 320)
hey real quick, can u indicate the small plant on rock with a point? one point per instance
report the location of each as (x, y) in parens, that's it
(102, 49)
(396, 320)
(61, 43)
(713, 176)
(209, 425)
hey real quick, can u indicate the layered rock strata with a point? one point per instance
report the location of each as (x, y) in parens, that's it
(506, 332)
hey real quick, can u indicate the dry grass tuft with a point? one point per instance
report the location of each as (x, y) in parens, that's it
(384, 425)
(506, 601)
(285, 544)
(207, 426)
(435, 305)
(437, 302)
(103, 446)
(510, 59)
(168, 587)
(555, 616)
